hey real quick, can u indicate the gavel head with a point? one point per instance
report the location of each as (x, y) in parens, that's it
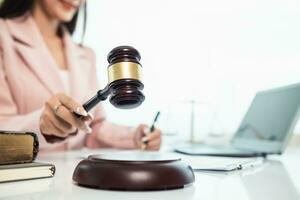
(124, 76)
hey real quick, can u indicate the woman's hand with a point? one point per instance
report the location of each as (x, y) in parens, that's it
(143, 139)
(58, 118)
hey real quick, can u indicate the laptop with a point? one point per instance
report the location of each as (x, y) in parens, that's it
(266, 128)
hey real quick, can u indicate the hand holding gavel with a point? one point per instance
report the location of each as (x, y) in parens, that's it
(58, 119)
(63, 116)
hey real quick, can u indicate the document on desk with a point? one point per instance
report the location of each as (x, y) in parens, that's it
(221, 164)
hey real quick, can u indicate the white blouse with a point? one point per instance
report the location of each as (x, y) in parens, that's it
(65, 77)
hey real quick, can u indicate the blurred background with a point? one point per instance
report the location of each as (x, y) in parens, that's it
(210, 55)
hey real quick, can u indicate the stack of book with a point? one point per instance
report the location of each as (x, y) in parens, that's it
(17, 154)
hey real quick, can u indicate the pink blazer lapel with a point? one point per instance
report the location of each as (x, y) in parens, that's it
(78, 63)
(32, 48)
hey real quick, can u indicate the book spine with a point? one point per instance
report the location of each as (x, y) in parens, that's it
(35, 144)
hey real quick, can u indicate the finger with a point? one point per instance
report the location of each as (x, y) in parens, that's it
(152, 136)
(88, 118)
(154, 145)
(72, 105)
(46, 124)
(43, 127)
(59, 132)
(63, 126)
(50, 134)
(140, 132)
(65, 114)
(53, 104)
(143, 128)
(64, 135)
(50, 129)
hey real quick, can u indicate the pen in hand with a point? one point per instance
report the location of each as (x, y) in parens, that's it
(145, 142)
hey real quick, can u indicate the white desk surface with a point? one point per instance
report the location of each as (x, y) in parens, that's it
(278, 179)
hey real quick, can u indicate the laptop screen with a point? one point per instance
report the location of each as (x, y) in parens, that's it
(271, 117)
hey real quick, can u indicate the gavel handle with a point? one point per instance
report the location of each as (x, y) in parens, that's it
(100, 96)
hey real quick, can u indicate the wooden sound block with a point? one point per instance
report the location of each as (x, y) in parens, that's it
(133, 171)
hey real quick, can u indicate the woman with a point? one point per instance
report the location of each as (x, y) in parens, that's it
(45, 77)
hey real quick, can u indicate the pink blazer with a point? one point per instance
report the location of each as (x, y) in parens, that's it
(29, 76)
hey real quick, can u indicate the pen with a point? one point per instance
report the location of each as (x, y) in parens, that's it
(153, 125)
(251, 163)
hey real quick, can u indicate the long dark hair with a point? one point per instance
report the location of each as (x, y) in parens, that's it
(17, 8)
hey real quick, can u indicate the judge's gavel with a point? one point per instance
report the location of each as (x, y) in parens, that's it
(124, 75)
(124, 87)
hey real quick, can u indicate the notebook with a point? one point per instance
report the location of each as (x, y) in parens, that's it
(26, 171)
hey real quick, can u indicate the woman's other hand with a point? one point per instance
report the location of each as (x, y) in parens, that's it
(58, 117)
(143, 139)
